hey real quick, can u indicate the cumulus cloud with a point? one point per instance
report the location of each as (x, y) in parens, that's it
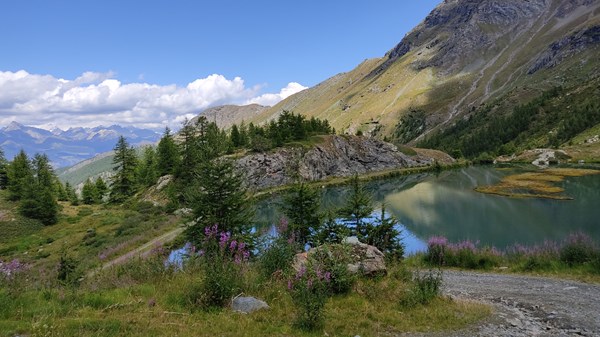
(100, 99)
(272, 99)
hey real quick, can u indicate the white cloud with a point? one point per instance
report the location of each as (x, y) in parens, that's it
(272, 99)
(100, 99)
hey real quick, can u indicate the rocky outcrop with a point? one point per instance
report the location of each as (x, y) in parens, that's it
(336, 156)
(566, 47)
(364, 259)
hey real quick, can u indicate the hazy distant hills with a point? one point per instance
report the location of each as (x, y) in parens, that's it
(65, 148)
(464, 54)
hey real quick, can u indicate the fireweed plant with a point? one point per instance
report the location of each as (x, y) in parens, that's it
(223, 260)
(309, 289)
(576, 250)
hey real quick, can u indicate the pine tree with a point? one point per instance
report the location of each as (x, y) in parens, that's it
(384, 235)
(3, 171)
(357, 207)
(61, 192)
(189, 149)
(89, 194)
(19, 174)
(147, 173)
(123, 181)
(302, 206)
(39, 200)
(219, 197)
(236, 138)
(101, 188)
(167, 154)
(72, 196)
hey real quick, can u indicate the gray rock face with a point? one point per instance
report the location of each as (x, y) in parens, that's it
(337, 156)
(247, 305)
(566, 47)
(461, 30)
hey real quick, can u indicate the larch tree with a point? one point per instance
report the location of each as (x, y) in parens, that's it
(123, 181)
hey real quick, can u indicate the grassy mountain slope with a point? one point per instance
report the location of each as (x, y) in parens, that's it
(464, 54)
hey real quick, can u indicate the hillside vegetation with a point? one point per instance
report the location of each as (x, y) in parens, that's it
(467, 59)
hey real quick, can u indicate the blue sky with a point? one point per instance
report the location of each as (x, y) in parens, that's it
(234, 52)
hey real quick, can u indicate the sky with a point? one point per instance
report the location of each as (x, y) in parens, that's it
(153, 63)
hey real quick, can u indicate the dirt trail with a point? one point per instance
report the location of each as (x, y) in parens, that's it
(526, 306)
(142, 250)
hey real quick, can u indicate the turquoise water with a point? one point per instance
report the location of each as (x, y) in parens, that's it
(445, 204)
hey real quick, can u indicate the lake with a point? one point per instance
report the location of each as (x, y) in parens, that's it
(445, 204)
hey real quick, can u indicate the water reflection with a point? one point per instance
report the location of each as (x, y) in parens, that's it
(446, 204)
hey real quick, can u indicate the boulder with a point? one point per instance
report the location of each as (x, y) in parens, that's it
(247, 305)
(365, 259)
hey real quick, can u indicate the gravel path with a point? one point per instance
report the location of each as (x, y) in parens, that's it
(527, 306)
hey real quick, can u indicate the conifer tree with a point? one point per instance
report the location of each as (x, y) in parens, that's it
(357, 207)
(189, 149)
(39, 200)
(219, 197)
(72, 196)
(123, 181)
(61, 193)
(235, 137)
(167, 154)
(19, 174)
(302, 206)
(101, 188)
(89, 194)
(147, 173)
(3, 171)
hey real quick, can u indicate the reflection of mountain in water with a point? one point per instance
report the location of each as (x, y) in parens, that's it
(447, 205)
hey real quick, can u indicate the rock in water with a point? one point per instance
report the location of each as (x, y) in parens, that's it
(247, 305)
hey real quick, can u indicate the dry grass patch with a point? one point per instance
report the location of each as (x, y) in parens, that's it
(535, 184)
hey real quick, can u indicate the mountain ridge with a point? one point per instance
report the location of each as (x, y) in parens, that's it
(464, 54)
(71, 146)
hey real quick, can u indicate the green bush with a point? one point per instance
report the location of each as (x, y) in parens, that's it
(278, 257)
(223, 261)
(577, 249)
(335, 258)
(309, 289)
(425, 287)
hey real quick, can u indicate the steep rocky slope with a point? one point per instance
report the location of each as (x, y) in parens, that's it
(335, 156)
(464, 54)
(227, 115)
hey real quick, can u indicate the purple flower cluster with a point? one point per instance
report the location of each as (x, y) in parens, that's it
(548, 248)
(309, 278)
(227, 246)
(9, 269)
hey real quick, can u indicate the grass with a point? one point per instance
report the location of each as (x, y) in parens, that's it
(141, 300)
(577, 257)
(86, 232)
(535, 184)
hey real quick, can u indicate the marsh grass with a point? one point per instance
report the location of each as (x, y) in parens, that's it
(535, 184)
(577, 256)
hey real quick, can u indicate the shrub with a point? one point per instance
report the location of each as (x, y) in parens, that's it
(425, 287)
(335, 259)
(309, 289)
(577, 249)
(436, 250)
(279, 254)
(222, 260)
(464, 254)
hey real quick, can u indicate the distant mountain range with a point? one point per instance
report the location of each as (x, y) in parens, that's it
(65, 148)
